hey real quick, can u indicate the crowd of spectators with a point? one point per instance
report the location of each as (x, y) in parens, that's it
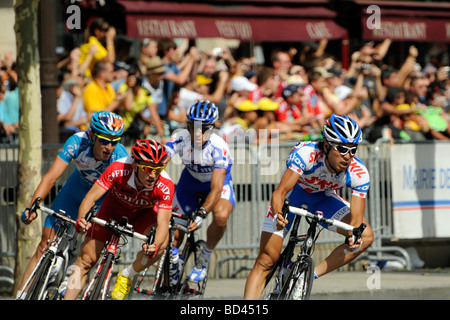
(288, 97)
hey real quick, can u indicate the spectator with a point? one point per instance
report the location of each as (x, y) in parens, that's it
(98, 94)
(120, 74)
(314, 104)
(268, 84)
(71, 117)
(176, 117)
(173, 75)
(92, 51)
(6, 128)
(11, 103)
(281, 63)
(266, 126)
(290, 109)
(194, 91)
(241, 88)
(392, 114)
(239, 128)
(138, 110)
(149, 50)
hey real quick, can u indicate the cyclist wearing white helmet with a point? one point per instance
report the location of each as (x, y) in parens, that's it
(92, 151)
(207, 161)
(314, 171)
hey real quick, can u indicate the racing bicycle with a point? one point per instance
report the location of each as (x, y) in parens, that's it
(97, 288)
(170, 285)
(293, 280)
(50, 271)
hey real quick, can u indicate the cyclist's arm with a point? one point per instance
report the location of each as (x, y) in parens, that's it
(48, 181)
(357, 207)
(88, 202)
(217, 181)
(288, 181)
(162, 228)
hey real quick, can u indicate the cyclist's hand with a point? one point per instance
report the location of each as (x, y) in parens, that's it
(26, 217)
(82, 225)
(351, 245)
(150, 249)
(195, 224)
(281, 221)
(198, 218)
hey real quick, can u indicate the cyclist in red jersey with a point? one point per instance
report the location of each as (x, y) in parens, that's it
(140, 189)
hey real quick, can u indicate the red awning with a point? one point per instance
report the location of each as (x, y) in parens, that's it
(418, 23)
(154, 19)
(403, 29)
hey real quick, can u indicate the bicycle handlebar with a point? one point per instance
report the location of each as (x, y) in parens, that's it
(114, 226)
(59, 215)
(356, 232)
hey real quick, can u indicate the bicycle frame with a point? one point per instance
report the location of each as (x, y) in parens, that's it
(108, 254)
(303, 260)
(111, 248)
(62, 236)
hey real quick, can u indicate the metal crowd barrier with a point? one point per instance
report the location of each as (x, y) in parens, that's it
(256, 172)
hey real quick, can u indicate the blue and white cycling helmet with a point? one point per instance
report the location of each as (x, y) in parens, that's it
(107, 123)
(203, 111)
(341, 129)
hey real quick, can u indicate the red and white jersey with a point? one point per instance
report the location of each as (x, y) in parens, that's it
(309, 161)
(118, 178)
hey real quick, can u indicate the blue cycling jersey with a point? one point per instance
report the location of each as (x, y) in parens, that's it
(78, 148)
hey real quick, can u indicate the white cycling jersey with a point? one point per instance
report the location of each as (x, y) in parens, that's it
(309, 161)
(200, 163)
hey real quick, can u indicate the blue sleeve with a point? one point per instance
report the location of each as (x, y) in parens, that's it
(71, 148)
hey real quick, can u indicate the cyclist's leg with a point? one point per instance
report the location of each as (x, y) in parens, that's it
(186, 200)
(270, 247)
(337, 208)
(221, 212)
(91, 250)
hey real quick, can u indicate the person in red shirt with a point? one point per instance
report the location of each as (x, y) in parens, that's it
(139, 189)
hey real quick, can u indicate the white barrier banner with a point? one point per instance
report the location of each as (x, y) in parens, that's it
(421, 190)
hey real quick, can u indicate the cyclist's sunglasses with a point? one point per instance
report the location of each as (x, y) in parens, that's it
(191, 127)
(343, 150)
(150, 169)
(105, 141)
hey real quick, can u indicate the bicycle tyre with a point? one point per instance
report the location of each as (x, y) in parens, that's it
(101, 277)
(190, 289)
(36, 285)
(302, 270)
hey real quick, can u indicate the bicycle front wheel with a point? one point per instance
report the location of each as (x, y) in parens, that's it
(37, 286)
(298, 284)
(100, 278)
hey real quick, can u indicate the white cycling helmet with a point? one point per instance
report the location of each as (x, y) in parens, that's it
(341, 129)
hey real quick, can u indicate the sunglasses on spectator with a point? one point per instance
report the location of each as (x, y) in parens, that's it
(105, 141)
(343, 150)
(150, 169)
(191, 127)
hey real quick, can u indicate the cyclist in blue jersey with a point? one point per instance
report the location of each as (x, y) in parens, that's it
(314, 171)
(92, 151)
(208, 162)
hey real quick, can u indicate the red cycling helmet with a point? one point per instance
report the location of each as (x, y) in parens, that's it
(150, 151)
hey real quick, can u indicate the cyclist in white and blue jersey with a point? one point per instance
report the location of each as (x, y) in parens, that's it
(92, 151)
(314, 171)
(208, 162)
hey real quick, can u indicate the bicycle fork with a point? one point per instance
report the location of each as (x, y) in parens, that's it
(112, 248)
